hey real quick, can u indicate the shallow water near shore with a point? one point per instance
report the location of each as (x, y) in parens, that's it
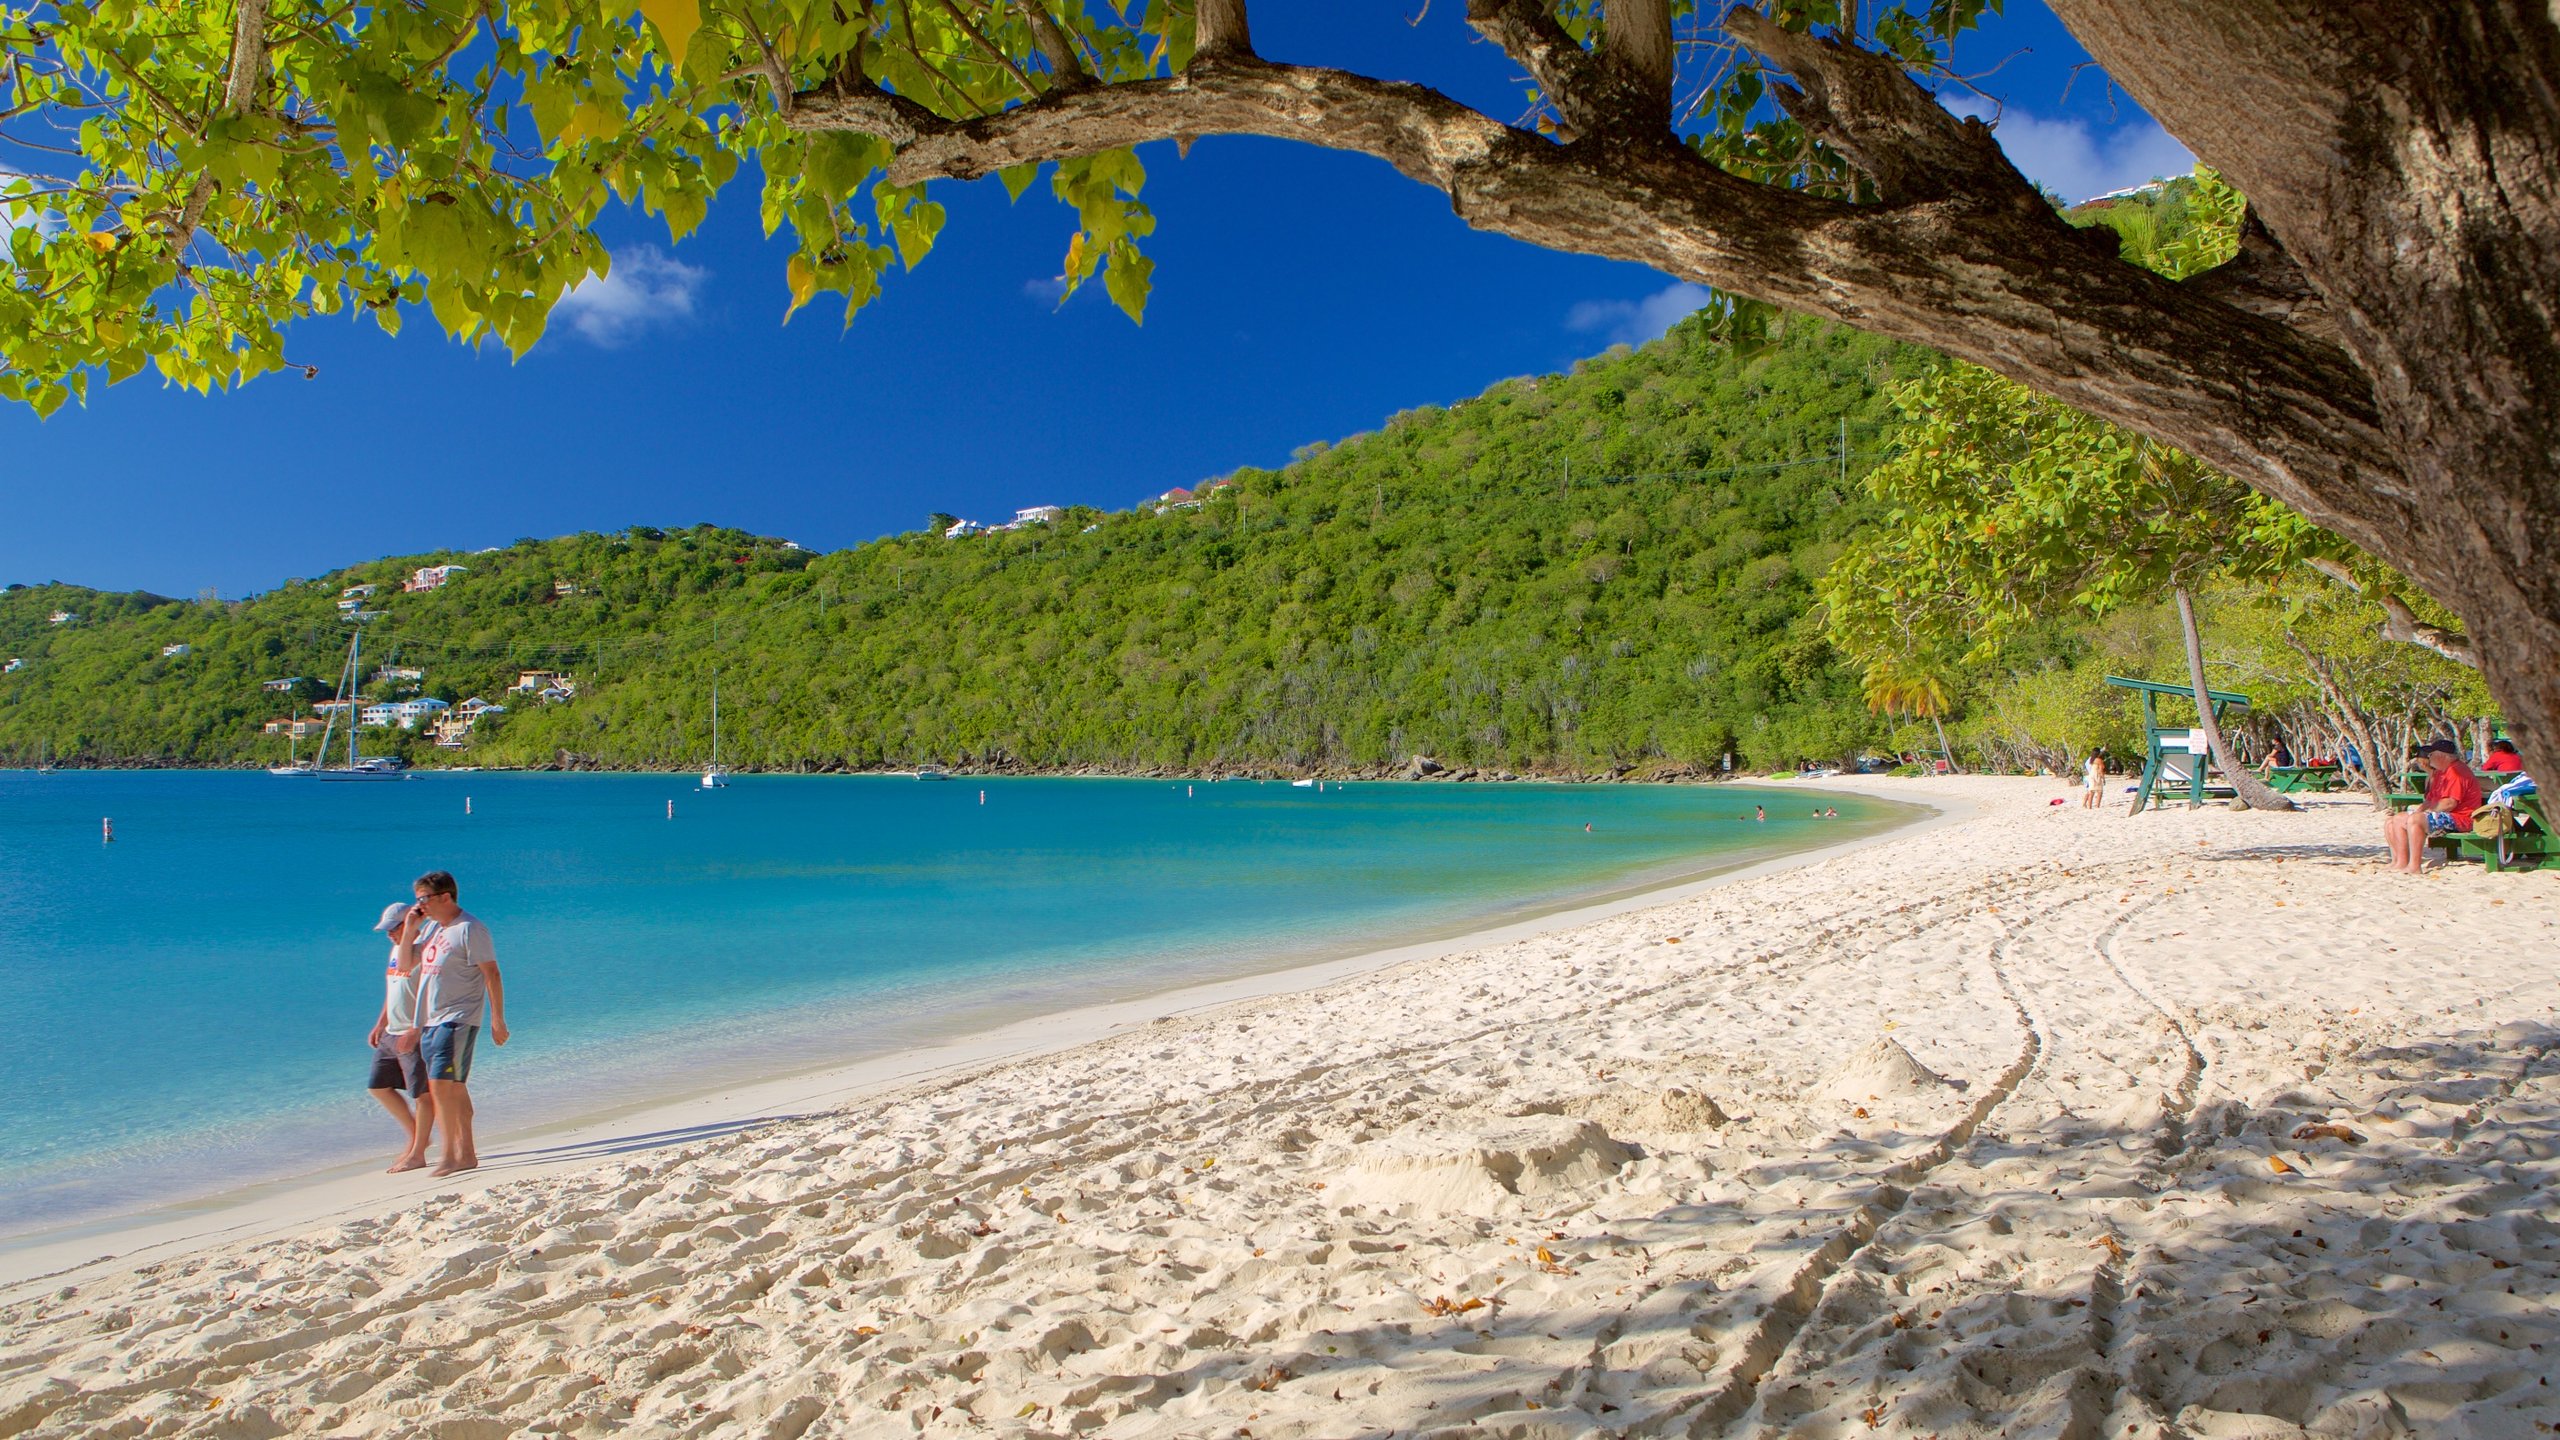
(191, 1001)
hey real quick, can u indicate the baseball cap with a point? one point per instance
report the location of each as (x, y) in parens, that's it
(2440, 747)
(393, 914)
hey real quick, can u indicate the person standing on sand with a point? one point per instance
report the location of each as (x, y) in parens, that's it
(399, 1074)
(450, 948)
(2093, 780)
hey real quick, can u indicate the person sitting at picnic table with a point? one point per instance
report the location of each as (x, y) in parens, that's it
(2502, 759)
(2278, 758)
(2453, 792)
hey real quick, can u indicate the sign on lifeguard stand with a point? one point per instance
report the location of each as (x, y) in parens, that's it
(2179, 755)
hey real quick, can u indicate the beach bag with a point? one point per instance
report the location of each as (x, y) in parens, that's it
(2490, 821)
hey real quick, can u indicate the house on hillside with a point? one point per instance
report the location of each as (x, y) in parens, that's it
(179, 648)
(297, 727)
(389, 673)
(13, 666)
(566, 690)
(452, 730)
(63, 617)
(280, 686)
(405, 714)
(1039, 515)
(1214, 486)
(331, 707)
(1178, 498)
(358, 592)
(963, 527)
(564, 587)
(530, 682)
(431, 577)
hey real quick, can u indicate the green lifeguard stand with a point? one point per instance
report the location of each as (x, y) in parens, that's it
(2177, 753)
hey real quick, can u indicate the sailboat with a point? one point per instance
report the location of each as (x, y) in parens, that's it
(715, 776)
(44, 757)
(359, 766)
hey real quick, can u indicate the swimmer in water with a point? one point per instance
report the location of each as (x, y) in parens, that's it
(1760, 812)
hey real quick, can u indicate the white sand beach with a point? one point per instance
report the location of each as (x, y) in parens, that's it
(2035, 1122)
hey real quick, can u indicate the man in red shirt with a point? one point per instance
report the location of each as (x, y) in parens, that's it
(2452, 794)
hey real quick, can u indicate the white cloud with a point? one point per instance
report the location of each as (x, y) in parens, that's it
(647, 288)
(1051, 290)
(1634, 322)
(2074, 161)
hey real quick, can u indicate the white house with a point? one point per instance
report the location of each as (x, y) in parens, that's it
(358, 592)
(398, 672)
(403, 713)
(63, 617)
(13, 665)
(530, 682)
(432, 577)
(280, 686)
(1039, 515)
(960, 528)
(180, 648)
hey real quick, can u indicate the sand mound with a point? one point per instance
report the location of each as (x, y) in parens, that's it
(1480, 1170)
(1882, 1071)
(1675, 1110)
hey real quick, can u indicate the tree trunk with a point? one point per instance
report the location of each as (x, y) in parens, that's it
(2245, 783)
(2350, 717)
(1944, 749)
(2404, 157)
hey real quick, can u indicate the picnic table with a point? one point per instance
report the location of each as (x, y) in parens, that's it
(2528, 849)
(2304, 779)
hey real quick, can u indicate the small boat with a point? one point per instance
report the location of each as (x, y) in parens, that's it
(1302, 784)
(44, 758)
(932, 772)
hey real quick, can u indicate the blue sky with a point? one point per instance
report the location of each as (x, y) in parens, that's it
(1299, 295)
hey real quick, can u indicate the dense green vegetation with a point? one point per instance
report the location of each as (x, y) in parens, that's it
(1570, 573)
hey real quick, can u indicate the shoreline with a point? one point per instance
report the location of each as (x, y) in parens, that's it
(2016, 1119)
(37, 1257)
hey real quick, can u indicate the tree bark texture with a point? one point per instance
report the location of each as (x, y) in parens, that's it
(2245, 784)
(2382, 355)
(2407, 158)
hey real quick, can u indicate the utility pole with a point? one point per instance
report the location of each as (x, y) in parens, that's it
(1844, 457)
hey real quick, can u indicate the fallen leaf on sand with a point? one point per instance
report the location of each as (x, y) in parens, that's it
(2328, 1132)
(1546, 1256)
(1271, 1379)
(1443, 1305)
(2114, 1247)
(1874, 1414)
(1029, 1409)
(2276, 1163)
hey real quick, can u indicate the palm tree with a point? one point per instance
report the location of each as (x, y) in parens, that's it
(1913, 689)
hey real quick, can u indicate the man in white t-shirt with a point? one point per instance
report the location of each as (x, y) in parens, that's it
(399, 1073)
(449, 949)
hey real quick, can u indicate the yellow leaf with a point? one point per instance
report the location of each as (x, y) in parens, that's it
(591, 121)
(803, 279)
(1029, 1409)
(676, 21)
(2276, 1163)
(1546, 1256)
(103, 241)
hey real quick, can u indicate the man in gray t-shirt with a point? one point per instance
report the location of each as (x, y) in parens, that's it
(449, 949)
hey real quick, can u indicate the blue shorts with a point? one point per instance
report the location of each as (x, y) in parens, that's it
(2439, 823)
(446, 1049)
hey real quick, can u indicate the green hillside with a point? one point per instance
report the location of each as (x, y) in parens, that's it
(1570, 573)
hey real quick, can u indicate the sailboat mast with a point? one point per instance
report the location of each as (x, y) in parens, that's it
(355, 666)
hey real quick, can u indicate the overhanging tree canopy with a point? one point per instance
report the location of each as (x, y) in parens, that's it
(2380, 354)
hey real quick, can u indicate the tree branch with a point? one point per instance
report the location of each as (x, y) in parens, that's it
(1868, 108)
(1220, 31)
(1065, 65)
(2399, 622)
(1637, 46)
(1989, 273)
(1568, 75)
(2263, 279)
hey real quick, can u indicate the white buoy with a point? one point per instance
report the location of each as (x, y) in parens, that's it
(107, 831)
(671, 809)
(982, 797)
(466, 804)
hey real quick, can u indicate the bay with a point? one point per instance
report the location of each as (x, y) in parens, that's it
(186, 1005)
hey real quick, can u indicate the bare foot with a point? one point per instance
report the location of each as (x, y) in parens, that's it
(407, 1162)
(442, 1171)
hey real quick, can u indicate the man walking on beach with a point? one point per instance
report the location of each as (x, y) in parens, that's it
(399, 1073)
(451, 948)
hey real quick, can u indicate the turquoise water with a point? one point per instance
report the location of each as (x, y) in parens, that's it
(187, 1006)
